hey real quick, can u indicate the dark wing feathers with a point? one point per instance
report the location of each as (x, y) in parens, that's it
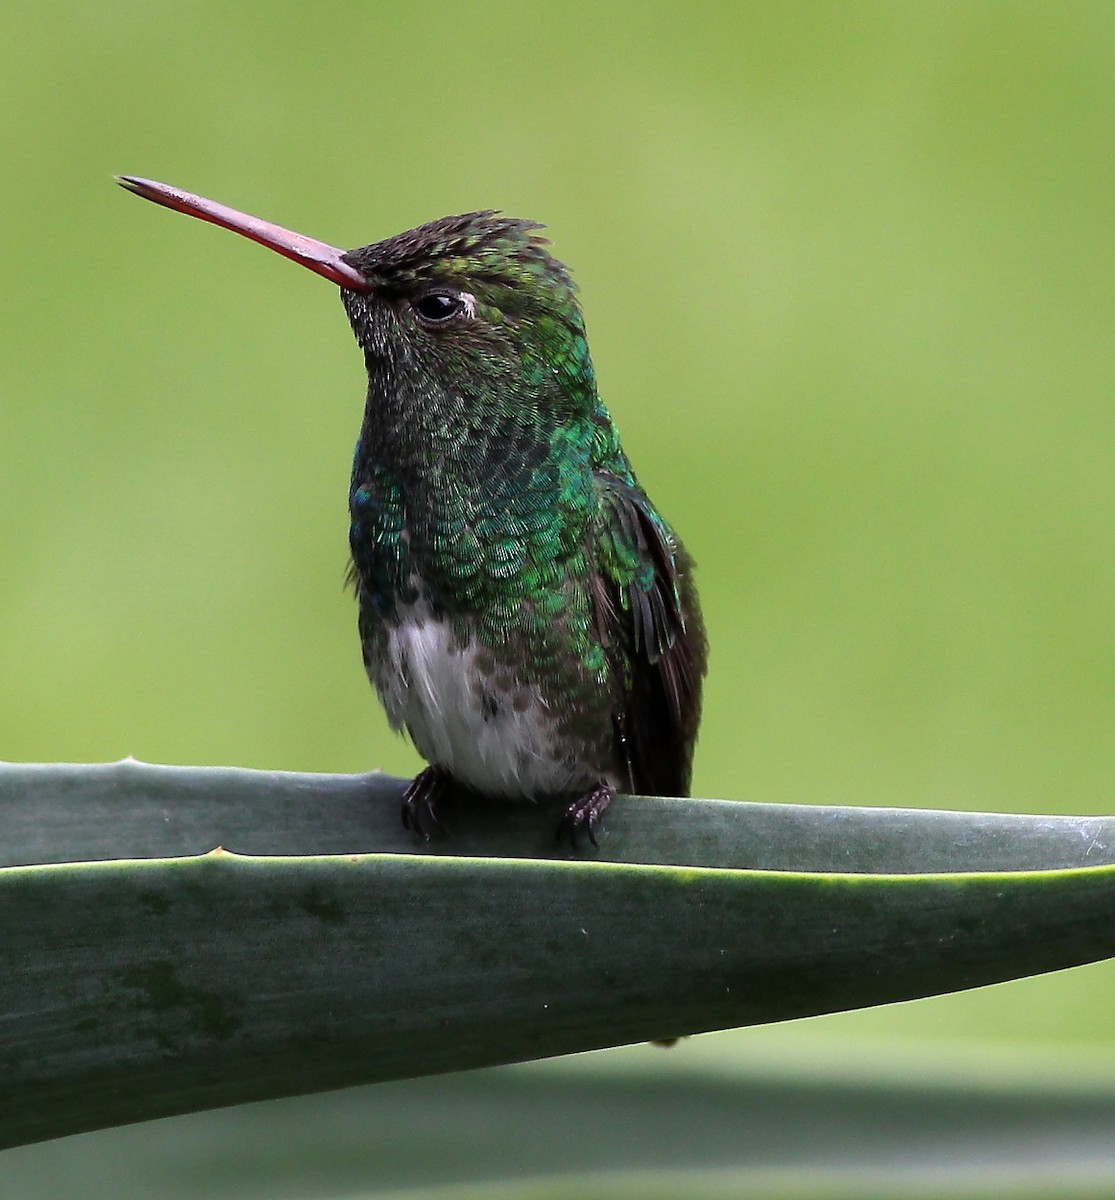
(646, 610)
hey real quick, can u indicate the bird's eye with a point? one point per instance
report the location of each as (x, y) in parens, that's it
(435, 308)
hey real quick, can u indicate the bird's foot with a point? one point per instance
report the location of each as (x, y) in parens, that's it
(585, 813)
(421, 800)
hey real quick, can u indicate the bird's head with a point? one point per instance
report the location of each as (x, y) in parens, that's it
(467, 316)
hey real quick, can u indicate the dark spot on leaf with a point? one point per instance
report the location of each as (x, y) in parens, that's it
(183, 1010)
(154, 902)
(325, 908)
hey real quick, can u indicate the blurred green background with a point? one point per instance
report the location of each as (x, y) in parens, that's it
(847, 271)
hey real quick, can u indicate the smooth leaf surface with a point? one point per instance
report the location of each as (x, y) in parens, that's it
(139, 987)
(66, 813)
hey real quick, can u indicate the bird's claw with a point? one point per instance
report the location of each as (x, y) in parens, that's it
(585, 812)
(421, 799)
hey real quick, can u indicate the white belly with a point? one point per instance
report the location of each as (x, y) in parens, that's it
(497, 743)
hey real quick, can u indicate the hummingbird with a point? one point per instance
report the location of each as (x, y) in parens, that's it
(525, 612)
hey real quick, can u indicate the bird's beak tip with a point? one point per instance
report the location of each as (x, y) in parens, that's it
(319, 257)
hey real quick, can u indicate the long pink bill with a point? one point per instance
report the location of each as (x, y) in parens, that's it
(318, 256)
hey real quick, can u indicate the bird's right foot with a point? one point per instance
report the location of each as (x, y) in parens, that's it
(585, 812)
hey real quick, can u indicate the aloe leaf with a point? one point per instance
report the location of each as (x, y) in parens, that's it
(327, 952)
(129, 809)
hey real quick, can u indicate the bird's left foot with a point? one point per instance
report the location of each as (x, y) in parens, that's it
(421, 801)
(585, 812)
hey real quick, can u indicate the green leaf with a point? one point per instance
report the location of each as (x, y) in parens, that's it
(141, 986)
